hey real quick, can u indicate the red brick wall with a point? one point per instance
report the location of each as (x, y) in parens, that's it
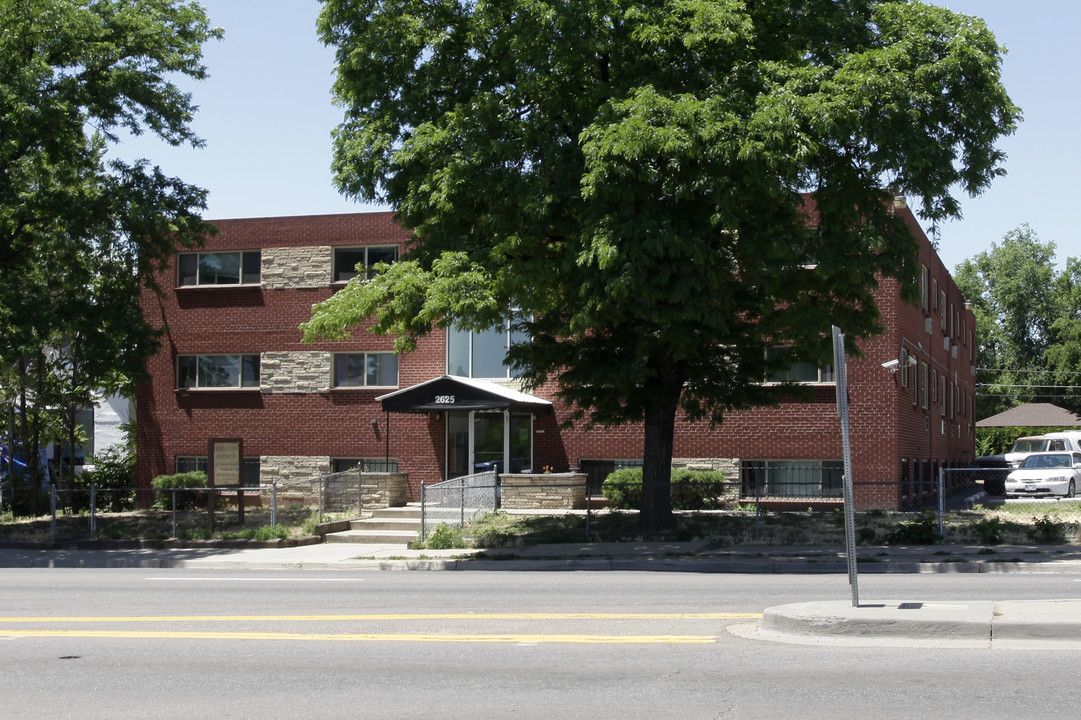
(887, 430)
(337, 423)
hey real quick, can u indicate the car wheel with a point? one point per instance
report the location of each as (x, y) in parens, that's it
(1071, 490)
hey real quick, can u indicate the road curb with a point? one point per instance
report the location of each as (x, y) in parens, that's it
(917, 623)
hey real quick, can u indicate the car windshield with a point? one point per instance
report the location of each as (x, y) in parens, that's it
(1029, 445)
(1047, 461)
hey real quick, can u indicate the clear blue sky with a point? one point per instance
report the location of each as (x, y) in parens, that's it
(266, 116)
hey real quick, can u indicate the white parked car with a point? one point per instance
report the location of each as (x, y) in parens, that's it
(1047, 473)
(1051, 442)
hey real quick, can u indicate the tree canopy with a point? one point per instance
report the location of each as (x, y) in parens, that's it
(627, 182)
(1028, 322)
(78, 228)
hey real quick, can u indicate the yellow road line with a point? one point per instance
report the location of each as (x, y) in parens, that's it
(369, 637)
(415, 616)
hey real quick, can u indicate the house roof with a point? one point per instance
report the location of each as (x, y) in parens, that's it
(451, 392)
(1033, 415)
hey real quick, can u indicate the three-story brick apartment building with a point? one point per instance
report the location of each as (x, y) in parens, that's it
(232, 365)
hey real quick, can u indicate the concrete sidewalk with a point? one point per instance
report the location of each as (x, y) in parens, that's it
(650, 556)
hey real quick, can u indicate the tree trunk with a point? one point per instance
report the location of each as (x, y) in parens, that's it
(656, 516)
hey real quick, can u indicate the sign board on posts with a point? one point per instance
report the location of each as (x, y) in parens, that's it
(225, 460)
(226, 466)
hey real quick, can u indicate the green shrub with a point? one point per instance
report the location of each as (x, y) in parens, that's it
(623, 488)
(114, 470)
(180, 481)
(698, 489)
(989, 531)
(444, 538)
(269, 532)
(691, 489)
(921, 531)
(1047, 531)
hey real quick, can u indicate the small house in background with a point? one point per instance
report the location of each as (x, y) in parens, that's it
(232, 365)
(1032, 415)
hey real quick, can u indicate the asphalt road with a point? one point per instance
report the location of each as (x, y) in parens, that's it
(185, 644)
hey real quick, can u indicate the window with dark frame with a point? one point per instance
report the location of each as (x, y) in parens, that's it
(792, 478)
(347, 260)
(801, 372)
(199, 372)
(364, 464)
(366, 369)
(210, 269)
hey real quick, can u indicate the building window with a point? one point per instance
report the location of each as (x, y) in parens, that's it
(924, 290)
(482, 354)
(364, 464)
(923, 389)
(348, 260)
(219, 268)
(217, 371)
(374, 369)
(799, 372)
(198, 463)
(792, 478)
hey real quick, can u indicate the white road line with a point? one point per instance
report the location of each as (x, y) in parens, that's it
(268, 579)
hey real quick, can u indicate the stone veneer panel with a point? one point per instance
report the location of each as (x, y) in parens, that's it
(381, 490)
(295, 372)
(562, 491)
(284, 469)
(730, 466)
(296, 267)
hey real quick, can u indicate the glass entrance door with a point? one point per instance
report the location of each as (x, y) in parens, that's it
(477, 441)
(487, 442)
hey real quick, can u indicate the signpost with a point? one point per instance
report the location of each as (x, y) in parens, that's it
(842, 410)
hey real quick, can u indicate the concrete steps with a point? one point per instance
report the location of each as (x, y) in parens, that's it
(386, 526)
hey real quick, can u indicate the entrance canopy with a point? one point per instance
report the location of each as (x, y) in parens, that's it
(451, 392)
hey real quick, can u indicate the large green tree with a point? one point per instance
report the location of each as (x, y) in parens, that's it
(78, 227)
(1028, 323)
(630, 178)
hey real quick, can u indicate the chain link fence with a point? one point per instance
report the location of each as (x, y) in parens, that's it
(958, 505)
(252, 512)
(1014, 513)
(458, 502)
